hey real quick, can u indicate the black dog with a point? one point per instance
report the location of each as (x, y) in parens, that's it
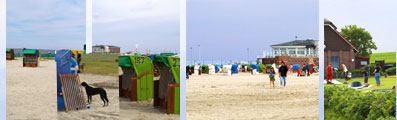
(93, 91)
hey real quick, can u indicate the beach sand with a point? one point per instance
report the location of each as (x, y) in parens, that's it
(97, 111)
(31, 94)
(246, 96)
(143, 110)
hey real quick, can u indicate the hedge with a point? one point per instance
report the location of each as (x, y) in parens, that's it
(357, 105)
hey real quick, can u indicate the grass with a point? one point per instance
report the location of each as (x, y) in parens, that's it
(103, 64)
(389, 57)
(385, 83)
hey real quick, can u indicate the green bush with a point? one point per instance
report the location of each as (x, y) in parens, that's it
(391, 71)
(352, 104)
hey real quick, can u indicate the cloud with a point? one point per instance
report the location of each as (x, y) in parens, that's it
(47, 24)
(153, 24)
(378, 18)
(126, 10)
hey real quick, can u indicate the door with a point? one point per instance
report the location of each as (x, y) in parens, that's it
(335, 61)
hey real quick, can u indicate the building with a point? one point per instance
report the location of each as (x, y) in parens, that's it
(301, 48)
(361, 62)
(293, 52)
(338, 50)
(289, 60)
(105, 49)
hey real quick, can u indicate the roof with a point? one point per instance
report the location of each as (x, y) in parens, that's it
(110, 46)
(329, 23)
(29, 51)
(362, 57)
(307, 42)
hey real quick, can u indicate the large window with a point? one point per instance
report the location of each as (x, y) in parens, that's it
(276, 51)
(283, 51)
(335, 61)
(301, 51)
(291, 51)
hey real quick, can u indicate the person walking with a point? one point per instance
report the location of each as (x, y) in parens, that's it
(329, 74)
(377, 74)
(345, 71)
(283, 74)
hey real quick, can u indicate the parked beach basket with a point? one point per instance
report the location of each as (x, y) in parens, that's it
(168, 84)
(10, 54)
(69, 93)
(30, 58)
(137, 79)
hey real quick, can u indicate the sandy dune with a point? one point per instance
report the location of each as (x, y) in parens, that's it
(246, 96)
(31, 92)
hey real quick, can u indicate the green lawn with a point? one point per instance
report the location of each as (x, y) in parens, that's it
(389, 57)
(104, 64)
(385, 83)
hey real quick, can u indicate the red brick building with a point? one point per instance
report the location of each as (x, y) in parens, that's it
(338, 50)
(361, 62)
(290, 60)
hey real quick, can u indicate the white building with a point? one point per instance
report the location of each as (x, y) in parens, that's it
(105, 49)
(303, 48)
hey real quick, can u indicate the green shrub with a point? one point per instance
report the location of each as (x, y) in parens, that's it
(391, 71)
(352, 104)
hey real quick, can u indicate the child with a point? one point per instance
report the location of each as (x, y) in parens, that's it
(329, 74)
(299, 72)
(271, 76)
(365, 75)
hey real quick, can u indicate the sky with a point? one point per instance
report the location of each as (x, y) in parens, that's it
(225, 29)
(378, 18)
(152, 24)
(46, 24)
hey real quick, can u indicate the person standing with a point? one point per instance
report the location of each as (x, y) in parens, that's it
(304, 69)
(74, 65)
(365, 75)
(271, 76)
(187, 72)
(329, 73)
(308, 67)
(78, 61)
(377, 75)
(283, 74)
(345, 71)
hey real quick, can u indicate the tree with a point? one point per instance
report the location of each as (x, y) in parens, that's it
(360, 38)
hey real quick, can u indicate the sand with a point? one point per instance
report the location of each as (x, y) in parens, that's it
(143, 110)
(246, 96)
(97, 111)
(31, 94)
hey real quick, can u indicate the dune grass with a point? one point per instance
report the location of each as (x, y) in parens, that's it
(103, 64)
(389, 57)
